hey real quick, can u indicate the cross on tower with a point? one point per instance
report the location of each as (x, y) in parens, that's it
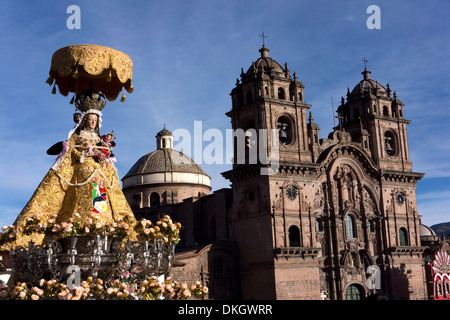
(365, 62)
(263, 36)
(340, 118)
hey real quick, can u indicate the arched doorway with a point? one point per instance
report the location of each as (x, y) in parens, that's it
(354, 292)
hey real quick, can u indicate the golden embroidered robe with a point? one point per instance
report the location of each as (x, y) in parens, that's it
(78, 185)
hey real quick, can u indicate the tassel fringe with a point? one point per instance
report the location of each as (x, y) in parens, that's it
(109, 76)
(75, 74)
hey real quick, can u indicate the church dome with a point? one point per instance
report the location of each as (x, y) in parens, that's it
(265, 65)
(164, 160)
(368, 86)
(165, 165)
(426, 231)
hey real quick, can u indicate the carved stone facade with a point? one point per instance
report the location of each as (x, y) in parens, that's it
(334, 207)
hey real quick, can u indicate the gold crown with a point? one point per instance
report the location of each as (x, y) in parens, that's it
(90, 100)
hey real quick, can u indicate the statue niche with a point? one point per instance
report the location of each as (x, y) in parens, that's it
(347, 185)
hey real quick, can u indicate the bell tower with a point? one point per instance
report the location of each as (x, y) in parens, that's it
(269, 213)
(268, 97)
(374, 117)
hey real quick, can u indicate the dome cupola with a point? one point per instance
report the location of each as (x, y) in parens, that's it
(169, 173)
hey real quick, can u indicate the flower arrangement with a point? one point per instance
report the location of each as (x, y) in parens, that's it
(30, 225)
(164, 228)
(8, 235)
(149, 289)
(123, 287)
(145, 230)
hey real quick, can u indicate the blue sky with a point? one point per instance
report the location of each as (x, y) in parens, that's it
(187, 56)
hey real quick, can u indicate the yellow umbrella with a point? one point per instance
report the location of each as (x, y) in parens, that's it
(87, 67)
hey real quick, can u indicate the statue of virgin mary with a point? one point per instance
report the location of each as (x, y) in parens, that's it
(82, 180)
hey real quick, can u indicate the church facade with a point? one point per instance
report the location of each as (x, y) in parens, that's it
(338, 218)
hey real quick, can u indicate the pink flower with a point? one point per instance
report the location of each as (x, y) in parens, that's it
(186, 293)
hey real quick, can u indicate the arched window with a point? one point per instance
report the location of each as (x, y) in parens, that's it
(300, 96)
(154, 199)
(394, 113)
(390, 143)
(136, 204)
(281, 94)
(385, 111)
(285, 129)
(353, 292)
(319, 224)
(266, 90)
(294, 237)
(370, 226)
(349, 226)
(403, 237)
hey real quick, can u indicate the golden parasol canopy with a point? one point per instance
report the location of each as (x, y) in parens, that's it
(83, 67)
